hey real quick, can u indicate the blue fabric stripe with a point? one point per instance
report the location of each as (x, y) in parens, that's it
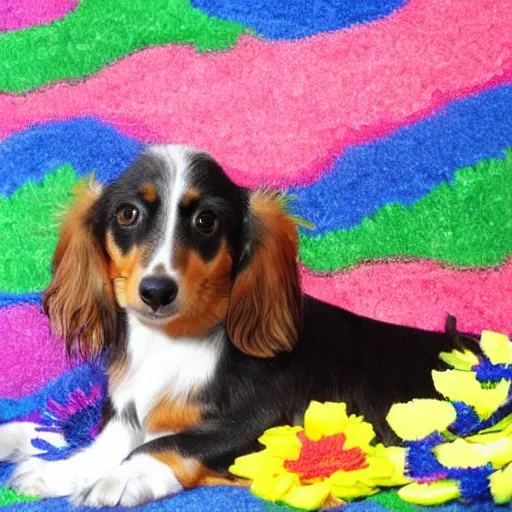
(409, 163)
(294, 19)
(11, 299)
(86, 143)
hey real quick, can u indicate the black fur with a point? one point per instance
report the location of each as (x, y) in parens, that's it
(340, 356)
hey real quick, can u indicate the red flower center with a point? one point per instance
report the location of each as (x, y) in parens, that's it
(322, 458)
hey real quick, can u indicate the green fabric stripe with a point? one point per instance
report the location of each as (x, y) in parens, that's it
(391, 501)
(466, 223)
(29, 229)
(95, 34)
(8, 497)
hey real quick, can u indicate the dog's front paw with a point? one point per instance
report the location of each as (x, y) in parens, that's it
(135, 482)
(36, 477)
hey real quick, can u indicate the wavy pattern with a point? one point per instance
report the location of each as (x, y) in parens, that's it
(457, 224)
(401, 167)
(29, 227)
(25, 330)
(366, 124)
(416, 293)
(297, 18)
(88, 145)
(279, 113)
(446, 224)
(95, 35)
(20, 14)
(409, 163)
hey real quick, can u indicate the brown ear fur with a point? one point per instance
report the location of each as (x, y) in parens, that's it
(266, 300)
(80, 300)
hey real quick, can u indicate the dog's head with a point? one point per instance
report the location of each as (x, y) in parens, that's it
(176, 244)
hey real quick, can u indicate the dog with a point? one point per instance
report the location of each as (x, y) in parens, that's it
(188, 286)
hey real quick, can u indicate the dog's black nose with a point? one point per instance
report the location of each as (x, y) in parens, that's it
(158, 291)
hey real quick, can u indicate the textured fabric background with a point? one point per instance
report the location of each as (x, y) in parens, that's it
(390, 121)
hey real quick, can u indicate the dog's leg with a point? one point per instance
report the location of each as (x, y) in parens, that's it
(16, 440)
(40, 477)
(169, 464)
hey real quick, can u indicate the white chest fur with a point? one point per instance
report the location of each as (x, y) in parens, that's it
(160, 365)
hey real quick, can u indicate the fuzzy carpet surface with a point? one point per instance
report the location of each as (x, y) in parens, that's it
(388, 120)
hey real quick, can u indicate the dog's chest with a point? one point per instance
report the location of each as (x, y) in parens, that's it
(159, 366)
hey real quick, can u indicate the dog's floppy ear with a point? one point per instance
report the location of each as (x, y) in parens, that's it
(266, 300)
(80, 300)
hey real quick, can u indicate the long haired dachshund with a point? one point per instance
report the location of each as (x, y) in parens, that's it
(188, 286)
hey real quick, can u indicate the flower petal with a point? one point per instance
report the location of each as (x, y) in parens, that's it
(460, 359)
(282, 442)
(351, 492)
(497, 347)
(324, 419)
(349, 478)
(500, 486)
(419, 418)
(461, 454)
(273, 488)
(498, 449)
(389, 470)
(359, 433)
(435, 493)
(283, 431)
(381, 470)
(396, 455)
(464, 387)
(254, 464)
(308, 497)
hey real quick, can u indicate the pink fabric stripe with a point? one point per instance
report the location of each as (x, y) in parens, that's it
(421, 294)
(30, 356)
(19, 14)
(279, 112)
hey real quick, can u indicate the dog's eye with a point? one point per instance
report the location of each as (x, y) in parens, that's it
(206, 222)
(127, 215)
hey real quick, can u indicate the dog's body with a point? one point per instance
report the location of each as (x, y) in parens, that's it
(189, 286)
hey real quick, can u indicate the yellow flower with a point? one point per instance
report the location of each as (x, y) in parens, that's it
(332, 454)
(500, 485)
(496, 347)
(282, 442)
(460, 359)
(324, 419)
(497, 446)
(464, 387)
(435, 493)
(421, 417)
(461, 454)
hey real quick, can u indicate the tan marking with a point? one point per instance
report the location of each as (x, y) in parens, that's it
(213, 479)
(192, 194)
(148, 192)
(193, 473)
(125, 271)
(120, 291)
(188, 471)
(172, 415)
(204, 292)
